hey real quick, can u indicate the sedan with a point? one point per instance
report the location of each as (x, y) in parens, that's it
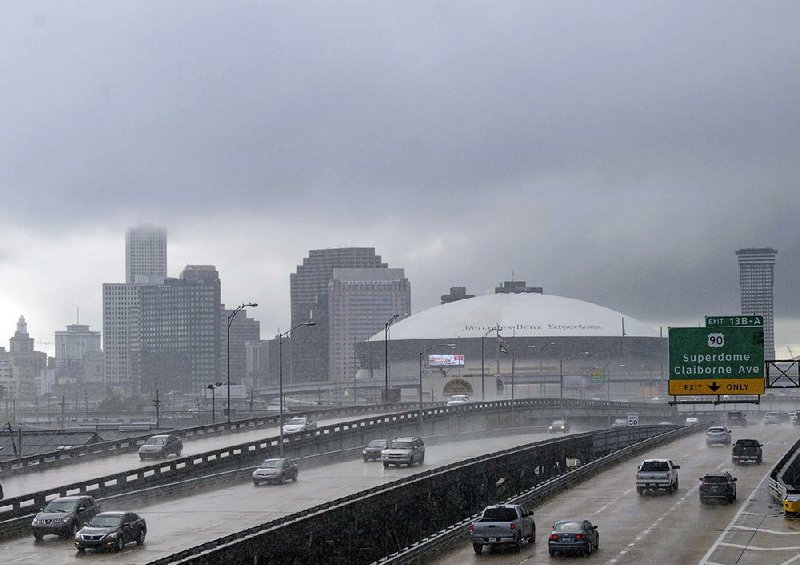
(573, 536)
(299, 424)
(111, 530)
(275, 471)
(559, 426)
(718, 435)
(458, 399)
(372, 451)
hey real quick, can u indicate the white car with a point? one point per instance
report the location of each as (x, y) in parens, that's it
(299, 424)
(458, 399)
(620, 423)
(691, 420)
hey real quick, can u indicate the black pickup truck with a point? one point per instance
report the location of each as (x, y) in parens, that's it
(746, 451)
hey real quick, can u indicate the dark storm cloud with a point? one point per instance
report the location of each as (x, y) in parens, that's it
(617, 152)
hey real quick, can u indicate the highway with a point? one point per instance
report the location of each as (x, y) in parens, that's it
(178, 523)
(663, 529)
(53, 477)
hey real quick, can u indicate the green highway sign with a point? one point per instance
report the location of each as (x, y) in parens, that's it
(734, 321)
(716, 360)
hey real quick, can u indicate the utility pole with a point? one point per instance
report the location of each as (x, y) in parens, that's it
(157, 404)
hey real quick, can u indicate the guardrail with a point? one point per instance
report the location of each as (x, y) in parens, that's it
(788, 467)
(322, 530)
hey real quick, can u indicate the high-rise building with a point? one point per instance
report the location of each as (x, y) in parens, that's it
(456, 293)
(360, 302)
(756, 280)
(309, 301)
(23, 361)
(179, 331)
(74, 348)
(121, 313)
(145, 254)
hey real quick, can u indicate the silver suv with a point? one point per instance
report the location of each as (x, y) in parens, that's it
(405, 451)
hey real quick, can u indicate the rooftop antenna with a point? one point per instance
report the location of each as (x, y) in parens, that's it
(79, 314)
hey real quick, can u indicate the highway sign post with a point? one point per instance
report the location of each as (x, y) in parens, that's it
(716, 360)
(633, 418)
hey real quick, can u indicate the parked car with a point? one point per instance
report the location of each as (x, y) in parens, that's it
(506, 524)
(404, 451)
(737, 419)
(111, 530)
(372, 451)
(657, 474)
(718, 486)
(64, 516)
(161, 446)
(771, 418)
(573, 536)
(299, 424)
(1, 491)
(746, 451)
(275, 470)
(620, 423)
(692, 420)
(559, 426)
(458, 399)
(718, 435)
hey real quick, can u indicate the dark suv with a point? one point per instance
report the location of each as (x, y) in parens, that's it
(737, 419)
(64, 516)
(718, 486)
(161, 445)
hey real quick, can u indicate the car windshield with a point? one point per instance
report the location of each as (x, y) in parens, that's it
(499, 515)
(567, 527)
(296, 421)
(377, 443)
(400, 445)
(271, 464)
(156, 441)
(106, 521)
(716, 430)
(558, 423)
(655, 466)
(61, 506)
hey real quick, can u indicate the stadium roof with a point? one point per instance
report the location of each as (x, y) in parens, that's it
(520, 315)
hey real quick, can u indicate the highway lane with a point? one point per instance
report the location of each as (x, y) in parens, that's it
(179, 523)
(659, 528)
(33, 481)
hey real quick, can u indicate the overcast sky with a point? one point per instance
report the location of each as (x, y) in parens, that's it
(614, 152)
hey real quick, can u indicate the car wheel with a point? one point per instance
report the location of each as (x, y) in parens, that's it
(532, 539)
(81, 549)
(119, 545)
(597, 543)
(365, 459)
(294, 478)
(640, 491)
(422, 459)
(178, 453)
(37, 535)
(385, 465)
(478, 548)
(140, 539)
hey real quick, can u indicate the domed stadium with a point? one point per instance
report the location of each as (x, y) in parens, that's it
(548, 345)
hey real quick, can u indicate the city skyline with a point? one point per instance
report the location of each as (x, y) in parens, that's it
(616, 156)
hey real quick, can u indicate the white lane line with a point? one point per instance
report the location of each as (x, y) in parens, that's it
(792, 560)
(207, 526)
(716, 544)
(23, 558)
(774, 532)
(623, 495)
(756, 548)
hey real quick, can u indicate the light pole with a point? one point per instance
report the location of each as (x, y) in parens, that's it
(483, 369)
(386, 353)
(231, 316)
(280, 377)
(421, 354)
(213, 389)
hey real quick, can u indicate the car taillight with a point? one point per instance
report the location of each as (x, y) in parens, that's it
(554, 537)
(513, 526)
(578, 536)
(472, 528)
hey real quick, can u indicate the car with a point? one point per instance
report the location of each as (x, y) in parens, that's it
(299, 424)
(692, 420)
(275, 470)
(737, 419)
(404, 451)
(560, 426)
(372, 451)
(1, 491)
(620, 423)
(159, 446)
(458, 399)
(64, 516)
(112, 531)
(771, 418)
(784, 417)
(718, 435)
(573, 536)
(718, 486)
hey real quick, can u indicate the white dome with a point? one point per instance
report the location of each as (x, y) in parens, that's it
(520, 315)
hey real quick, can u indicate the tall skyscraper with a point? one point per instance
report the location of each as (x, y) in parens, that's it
(145, 254)
(756, 280)
(360, 302)
(309, 301)
(121, 312)
(23, 361)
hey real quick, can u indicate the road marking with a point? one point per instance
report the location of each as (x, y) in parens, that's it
(623, 495)
(775, 532)
(716, 544)
(23, 558)
(756, 548)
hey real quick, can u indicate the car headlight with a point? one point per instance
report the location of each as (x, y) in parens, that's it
(66, 520)
(364, 452)
(112, 535)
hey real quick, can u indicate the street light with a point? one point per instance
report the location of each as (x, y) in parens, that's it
(280, 376)
(421, 354)
(231, 316)
(483, 372)
(391, 320)
(213, 388)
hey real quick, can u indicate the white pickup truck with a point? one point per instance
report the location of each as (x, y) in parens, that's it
(503, 524)
(657, 474)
